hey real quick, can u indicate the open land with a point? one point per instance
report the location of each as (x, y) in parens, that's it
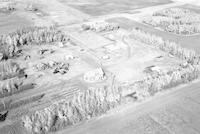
(103, 7)
(65, 62)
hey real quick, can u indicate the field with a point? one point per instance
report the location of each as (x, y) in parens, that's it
(64, 64)
(19, 17)
(191, 7)
(103, 7)
(30, 13)
(12, 22)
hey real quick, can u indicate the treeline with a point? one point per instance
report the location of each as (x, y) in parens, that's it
(85, 105)
(175, 20)
(10, 43)
(182, 74)
(170, 47)
(96, 101)
(154, 84)
(173, 13)
(100, 27)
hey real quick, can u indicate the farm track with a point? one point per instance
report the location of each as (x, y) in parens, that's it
(63, 94)
(46, 89)
(51, 97)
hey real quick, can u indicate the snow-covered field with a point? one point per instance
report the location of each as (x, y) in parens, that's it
(194, 2)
